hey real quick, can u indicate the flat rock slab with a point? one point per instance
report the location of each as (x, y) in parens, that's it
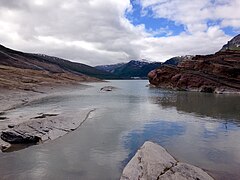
(44, 127)
(153, 162)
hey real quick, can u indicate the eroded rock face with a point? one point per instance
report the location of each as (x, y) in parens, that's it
(217, 73)
(153, 162)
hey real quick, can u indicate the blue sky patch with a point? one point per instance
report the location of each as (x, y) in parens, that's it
(227, 30)
(158, 27)
(162, 27)
(231, 31)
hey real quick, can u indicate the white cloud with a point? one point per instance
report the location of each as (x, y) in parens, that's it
(194, 14)
(97, 31)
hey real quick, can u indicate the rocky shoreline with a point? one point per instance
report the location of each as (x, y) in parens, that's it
(153, 162)
(42, 128)
(35, 127)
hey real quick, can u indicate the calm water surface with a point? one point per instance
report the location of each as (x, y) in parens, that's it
(201, 129)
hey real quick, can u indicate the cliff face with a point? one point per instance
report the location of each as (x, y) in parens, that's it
(219, 72)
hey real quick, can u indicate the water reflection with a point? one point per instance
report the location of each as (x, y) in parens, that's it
(220, 107)
(205, 132)
(159, 132)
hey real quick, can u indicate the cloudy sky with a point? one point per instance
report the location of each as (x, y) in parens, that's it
(110, 31)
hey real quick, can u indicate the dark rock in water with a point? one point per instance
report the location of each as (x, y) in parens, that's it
(44, 116)
(108, 88)
(3, 118)
(19, 138)
(11, 126)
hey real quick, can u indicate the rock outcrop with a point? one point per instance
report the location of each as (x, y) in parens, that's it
(219, 73)
(233, 44)
(42, 128)
(153, 162)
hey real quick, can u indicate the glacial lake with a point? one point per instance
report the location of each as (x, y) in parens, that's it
(197, 128)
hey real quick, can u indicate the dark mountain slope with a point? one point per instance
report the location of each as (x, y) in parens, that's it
(134, 68)
(9, 57)
(109, 68)
(138, 68)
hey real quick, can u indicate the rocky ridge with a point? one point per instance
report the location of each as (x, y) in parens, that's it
(233, 44)
(19, 70)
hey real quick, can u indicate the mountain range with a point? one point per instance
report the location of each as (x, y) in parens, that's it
(137, 68)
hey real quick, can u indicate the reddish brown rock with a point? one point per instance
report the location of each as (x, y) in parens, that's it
(219, 72)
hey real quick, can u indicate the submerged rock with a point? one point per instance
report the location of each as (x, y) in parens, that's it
(11, 125)
(44, 116)
(153, 162)
(108, 88)
(3, 118)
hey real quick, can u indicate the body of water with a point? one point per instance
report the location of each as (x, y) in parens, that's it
(197, 128)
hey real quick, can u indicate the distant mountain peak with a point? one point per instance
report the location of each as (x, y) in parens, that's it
(137, 68)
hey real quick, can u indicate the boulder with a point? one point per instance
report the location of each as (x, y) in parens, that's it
(153, 162)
